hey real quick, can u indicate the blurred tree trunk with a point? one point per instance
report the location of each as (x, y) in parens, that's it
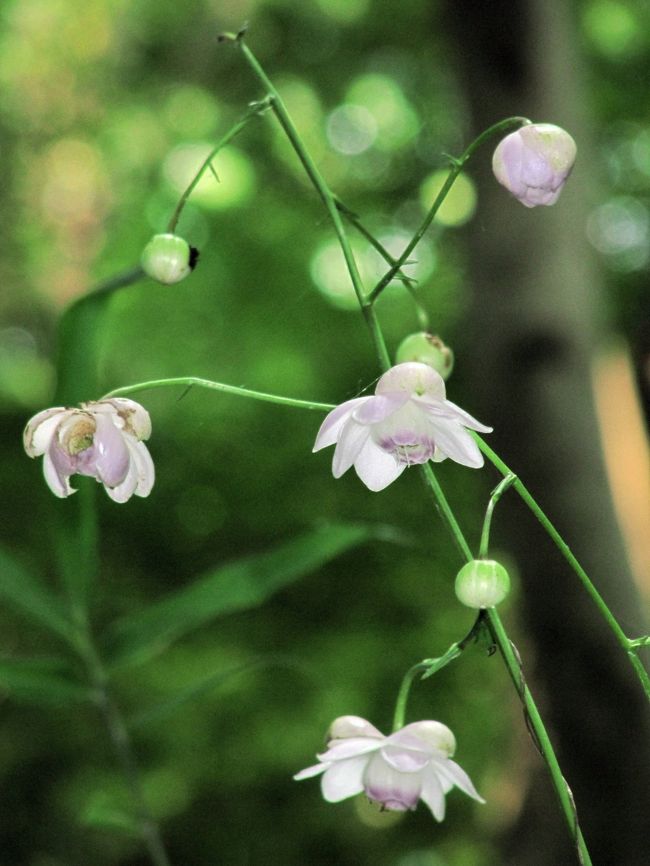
(537, 313)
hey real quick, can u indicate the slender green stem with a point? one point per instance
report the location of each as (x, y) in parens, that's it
(627, 645)
(327, 196)
(457, 166)
(254, 110)
(497, 493)
(192, 381)
(511, 659)
(122, 747)
(409, 282)
(446, 513)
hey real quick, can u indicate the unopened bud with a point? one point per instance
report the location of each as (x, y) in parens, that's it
(534, 162)
(427, 349)
(168, 258)
(482, 583)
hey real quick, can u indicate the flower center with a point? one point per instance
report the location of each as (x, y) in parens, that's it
(406, 436)
(79, 437)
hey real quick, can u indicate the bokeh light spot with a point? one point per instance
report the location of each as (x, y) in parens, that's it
(396, 119)
(236, 176)
(351, 129)
(460, 202)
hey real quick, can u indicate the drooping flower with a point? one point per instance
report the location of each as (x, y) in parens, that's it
(534, 163)
(101, 439)
(396, 771)
(408, 421)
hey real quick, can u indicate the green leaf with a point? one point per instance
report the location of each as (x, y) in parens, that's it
(31, 598)
(105, 811)
(236, 586)
(45, 682)
(206, 684)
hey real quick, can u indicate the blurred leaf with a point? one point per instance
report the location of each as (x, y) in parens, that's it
(46, 682)
(206, 684)
(18, 586)
(105, 811)
(80, 335)
(236, 586)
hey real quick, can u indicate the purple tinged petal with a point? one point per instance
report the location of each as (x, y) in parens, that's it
(376, 468)
(394, 790)
(344, 779)
(352, 726)
(329, 430)
(412, 378)
(56, 480)
(405, 760)
(380, 407)
(112, 458)
(352, 438)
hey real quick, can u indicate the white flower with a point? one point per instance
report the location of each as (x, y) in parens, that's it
(101, 439)
(408, 421)
(396, 771)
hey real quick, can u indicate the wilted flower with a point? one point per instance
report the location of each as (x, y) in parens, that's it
(534, 162)
(101, 439)
(408, 421)
(396, 771)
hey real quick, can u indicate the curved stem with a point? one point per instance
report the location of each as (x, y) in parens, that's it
(497, 493)
(254, 110)
(513, 664)
(192, 381)
(328, 198)
(122, 748)
(627, 645)
(457, 166)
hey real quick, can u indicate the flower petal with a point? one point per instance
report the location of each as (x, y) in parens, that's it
(376, 468)
(56, 480)
(432, 793)
(331, 426)
(450, 770)
(447, 409)
(454, 441)
(344, 779)
(405, 760)
(380, 407)
(352, 438)
(112, 460)
(309, 772)
(41, 428)
(394, 790)
(351, 747)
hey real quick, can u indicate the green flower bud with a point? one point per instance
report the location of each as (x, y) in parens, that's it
(168, 258)
(482, 583)
(426, 349)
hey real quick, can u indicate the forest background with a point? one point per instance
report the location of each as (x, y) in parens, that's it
(106, 108)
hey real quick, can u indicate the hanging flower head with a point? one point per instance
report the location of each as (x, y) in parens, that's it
(534, 163)
(408, 421)
(101, 439)
(396, 771)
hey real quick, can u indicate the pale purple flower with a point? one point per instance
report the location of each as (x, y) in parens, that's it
(534, 162)
(101, 439)
(396, 771)
(408, 421)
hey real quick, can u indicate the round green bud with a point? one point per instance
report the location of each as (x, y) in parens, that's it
(482, 583)
(168, 258)
(426, 349)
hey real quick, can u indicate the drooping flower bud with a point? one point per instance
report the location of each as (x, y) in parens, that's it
(427, 349)
(534, 162)
(482, 583)
(168, 258)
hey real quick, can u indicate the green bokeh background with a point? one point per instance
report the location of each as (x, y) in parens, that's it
(105, 106)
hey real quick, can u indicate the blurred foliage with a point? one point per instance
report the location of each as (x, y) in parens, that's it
(106, 108)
